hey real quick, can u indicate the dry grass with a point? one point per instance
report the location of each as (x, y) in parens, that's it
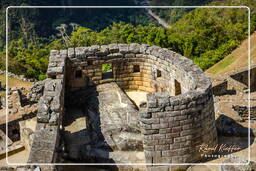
(238, 58)
(14, 82)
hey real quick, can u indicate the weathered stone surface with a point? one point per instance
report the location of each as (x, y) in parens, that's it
(36, 91)
(243, 167)
(54, 71)
(180, 112)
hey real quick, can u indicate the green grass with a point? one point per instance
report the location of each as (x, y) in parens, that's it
(222, 64)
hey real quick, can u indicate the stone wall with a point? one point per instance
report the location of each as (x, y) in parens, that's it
(179, 112)
(50, 111)
(157, 68)
(173, 126)
(241, 76)
(235, 81)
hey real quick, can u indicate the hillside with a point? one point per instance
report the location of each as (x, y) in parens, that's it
(204, 35)
(238, 58)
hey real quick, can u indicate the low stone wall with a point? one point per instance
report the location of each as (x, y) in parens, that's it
(241, 75)
(235, 81)
(50, 112)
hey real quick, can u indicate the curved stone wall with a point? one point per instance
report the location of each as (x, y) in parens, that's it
(173, 126)
(157, 69)
(179, 113)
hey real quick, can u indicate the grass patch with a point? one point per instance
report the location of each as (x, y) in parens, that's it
(222, 64)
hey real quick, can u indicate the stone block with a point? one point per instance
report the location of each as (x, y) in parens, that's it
(150, 121)
(163, 101)
(173, 113)
(175, 146)
(152, 153)
(54, 71)
(167, 153)
(166, 142)
(123, 48)
(162, 147)
(179, 139)
(158, 136)
(134, 48)
(172, 135)
(150, 131)
(113, 48)
(71, 52)
(176, 129)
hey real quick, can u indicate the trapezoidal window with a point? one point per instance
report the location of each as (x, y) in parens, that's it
(107, 71)
(158, 73)
(136, 68)
(78, 74)
(177, 87)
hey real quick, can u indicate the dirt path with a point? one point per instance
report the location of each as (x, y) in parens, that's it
(152, 14)
(157, 18)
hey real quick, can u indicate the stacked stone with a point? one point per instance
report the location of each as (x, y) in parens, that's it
(50, 111)
(236, 80)
(123, 58)
(174, 127)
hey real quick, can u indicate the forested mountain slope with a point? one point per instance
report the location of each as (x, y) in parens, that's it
(237, 59)
(204, 35)
(31, 23)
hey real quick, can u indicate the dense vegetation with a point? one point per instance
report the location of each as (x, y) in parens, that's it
(204, 35)
(174, 14)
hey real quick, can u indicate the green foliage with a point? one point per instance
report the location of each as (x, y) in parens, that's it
(211, 57)
(106, 67)
(42, 76)
(30, 59)
(172, 15)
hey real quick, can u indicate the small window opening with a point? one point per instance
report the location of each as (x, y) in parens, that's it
(177, 88)
(107, 71)
(78, 74)
(89, 63)
(158, 73)
(136, 68)
(15, 135)
(53, 76)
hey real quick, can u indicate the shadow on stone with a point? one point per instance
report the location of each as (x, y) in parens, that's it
(82, 136)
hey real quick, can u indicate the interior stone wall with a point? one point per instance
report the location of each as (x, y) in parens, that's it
(123, 57)
(241, 75)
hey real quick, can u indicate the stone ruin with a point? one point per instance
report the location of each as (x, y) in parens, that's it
(168, 127)
(233, 89)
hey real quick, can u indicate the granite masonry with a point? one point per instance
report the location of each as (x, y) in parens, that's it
(176, 119)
